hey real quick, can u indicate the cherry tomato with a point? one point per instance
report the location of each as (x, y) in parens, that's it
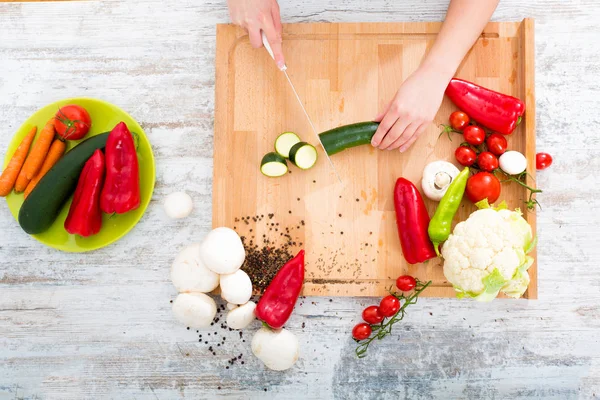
(459, 120)
(543, 160)
(465, 156)
(406, 283)
(487, 161)
(496, 144)
(372, 315)
(361, 331)
(389, 306)
(474, 135)
(483, 185)
(72, 122)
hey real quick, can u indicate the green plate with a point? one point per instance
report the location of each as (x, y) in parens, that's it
(104, 118)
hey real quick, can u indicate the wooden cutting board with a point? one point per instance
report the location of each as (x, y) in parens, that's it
(346, 73)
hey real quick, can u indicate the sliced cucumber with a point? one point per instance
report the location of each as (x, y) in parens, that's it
(347, 136)
(284, 143)
(273, 165)
(303, 155)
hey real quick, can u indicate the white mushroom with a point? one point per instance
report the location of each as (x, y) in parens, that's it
(178, 205)
(437, 177)
(195, 310)
(189, 274)
(231, 306)
(242, 316)
(222, 251)
(236, 288)
(277, 349)
(512, 162)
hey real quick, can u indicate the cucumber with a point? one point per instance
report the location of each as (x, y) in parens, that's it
(347, 136)
(284, 143)
(273, 165)
(303, 155)
(45, 201)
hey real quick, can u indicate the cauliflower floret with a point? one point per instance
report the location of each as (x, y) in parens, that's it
(486, 254)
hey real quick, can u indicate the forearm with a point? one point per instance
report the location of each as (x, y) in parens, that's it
(464, 23)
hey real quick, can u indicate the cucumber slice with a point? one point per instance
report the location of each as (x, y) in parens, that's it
(284, 143)
(303, 155)
(273, 165)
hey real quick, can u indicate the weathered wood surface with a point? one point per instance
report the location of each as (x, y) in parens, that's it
(100, 326)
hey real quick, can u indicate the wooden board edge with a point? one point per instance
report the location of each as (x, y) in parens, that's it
(528, 51)
(225, 37)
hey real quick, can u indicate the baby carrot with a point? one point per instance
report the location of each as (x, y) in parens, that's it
(36, 157)
(10, 173)
(57, 149)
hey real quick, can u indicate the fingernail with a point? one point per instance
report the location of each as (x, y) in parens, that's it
(281, 65)
(402, 149)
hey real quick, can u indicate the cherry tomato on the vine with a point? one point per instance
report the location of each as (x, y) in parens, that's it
(465, 156)
(406, 283)
(389, 306)
(459, 120)
(543, 160)
(496, 144)
(361, 331)
(474, 135)
(372, 315)
(487, 161)
(483, 185)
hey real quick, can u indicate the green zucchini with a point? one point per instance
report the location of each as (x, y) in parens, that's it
(273, 165)
(303, 155)
(45, 201)
(284, 143)
(347, 136)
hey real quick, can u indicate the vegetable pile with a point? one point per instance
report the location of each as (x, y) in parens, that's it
(202, 267)
(101, 173)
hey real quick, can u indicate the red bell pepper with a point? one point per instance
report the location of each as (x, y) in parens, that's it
(412, 220)
(277, 303)
(85, 216)
(121, 192)
(499, 112)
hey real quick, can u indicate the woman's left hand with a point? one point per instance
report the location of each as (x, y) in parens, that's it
(411, 111)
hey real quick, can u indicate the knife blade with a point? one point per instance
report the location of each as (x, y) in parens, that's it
(312, 126)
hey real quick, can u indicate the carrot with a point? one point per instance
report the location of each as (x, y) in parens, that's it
(57, 149)
(36, 157)
(10, 173)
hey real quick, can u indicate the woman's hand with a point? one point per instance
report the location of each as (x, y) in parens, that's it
(411, 111)
(256, 16)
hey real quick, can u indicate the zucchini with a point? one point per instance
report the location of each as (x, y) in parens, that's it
(347, 136)
(45, 201)
(284, 143)
(303, 155)
(273, 165)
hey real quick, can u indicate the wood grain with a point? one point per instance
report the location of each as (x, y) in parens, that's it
(100, 326)
(348, 229)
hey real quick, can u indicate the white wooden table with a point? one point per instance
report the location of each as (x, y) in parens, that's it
(100, 325)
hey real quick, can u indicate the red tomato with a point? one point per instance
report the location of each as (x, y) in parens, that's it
(543, 160)
(474, 135)
(406, 283)
(361, 331)
(372, 315)
(465, 156)
(487, 161)
(389, 306)
(459, 120)
(483, 185)
(72, 122)
(496, 144)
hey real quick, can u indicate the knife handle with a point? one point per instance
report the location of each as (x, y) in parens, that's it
(268, 47)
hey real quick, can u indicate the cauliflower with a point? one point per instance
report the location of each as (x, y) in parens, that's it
(487, 253)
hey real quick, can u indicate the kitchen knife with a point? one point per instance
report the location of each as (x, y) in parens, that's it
(284, 70)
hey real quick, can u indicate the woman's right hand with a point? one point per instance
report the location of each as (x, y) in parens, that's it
(256, 16)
